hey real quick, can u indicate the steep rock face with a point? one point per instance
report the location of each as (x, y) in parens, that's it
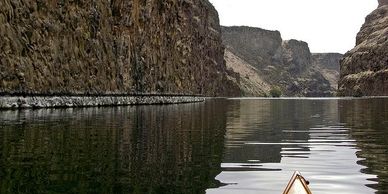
(286, 64)
(328, 65)
(383, 2)
(250, 82)
(254, 45)
(364, 69)
(327, 60)
(296, 56)
(103, 47)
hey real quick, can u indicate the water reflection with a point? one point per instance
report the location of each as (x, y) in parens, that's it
(268, 139)
(369, 121)
(145, 149)
(217, 147)
(262, 121)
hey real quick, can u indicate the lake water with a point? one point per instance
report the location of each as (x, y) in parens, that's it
(217, 147)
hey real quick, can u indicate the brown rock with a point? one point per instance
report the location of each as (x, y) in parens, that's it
(364, 69)
(254, 45)
(264, 60)
(103, 47)
(328, 65)
(383, 2)
(250, 82)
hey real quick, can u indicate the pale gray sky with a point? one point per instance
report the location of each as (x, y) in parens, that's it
(326, 25)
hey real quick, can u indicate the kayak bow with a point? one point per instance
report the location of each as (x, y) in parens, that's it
(297, 185)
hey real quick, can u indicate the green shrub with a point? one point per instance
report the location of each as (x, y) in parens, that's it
(275, 92)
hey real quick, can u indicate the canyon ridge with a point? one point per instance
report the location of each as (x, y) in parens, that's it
(173, 47)
(265, 61)
(364, 69)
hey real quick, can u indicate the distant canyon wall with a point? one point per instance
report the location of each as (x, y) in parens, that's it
(112, 47)
(287, 64)
(364, 69)
(328, 65)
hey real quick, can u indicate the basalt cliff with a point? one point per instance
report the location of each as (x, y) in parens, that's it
(112, 47)
(364, 69)
(265, 61)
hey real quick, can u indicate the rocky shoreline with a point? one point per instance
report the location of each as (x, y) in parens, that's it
(25, 102)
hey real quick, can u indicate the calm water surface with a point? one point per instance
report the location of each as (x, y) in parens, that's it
(217, 147)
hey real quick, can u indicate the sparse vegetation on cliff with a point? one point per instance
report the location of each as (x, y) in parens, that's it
(275, 92)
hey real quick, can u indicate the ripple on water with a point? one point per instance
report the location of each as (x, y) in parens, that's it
(281, 136)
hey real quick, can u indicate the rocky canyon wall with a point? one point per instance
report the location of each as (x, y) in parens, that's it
(328, 65)
(383, 2)
(364, 69)
(111, 47)
(286, 64)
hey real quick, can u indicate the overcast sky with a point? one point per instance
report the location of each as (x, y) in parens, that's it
(327, 25)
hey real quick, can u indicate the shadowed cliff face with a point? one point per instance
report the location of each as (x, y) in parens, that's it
(116, 46)
(383, 2)
(328, 65)
(288, 64)
(364, 69)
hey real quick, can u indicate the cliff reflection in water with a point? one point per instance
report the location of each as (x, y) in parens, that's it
(268, 139)
(369, 121)
(146, 149)
(273, 122)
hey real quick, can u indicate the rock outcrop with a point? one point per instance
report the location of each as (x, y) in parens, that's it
(254, 45)
(250, 82)
(286, 64)
(328, 65)
(383, 2)
(111, 47)
(364, 69)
